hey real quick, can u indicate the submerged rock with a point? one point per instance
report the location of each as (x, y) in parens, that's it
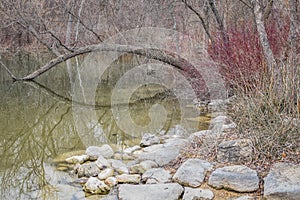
(283, 182)
(197, 193)
(95, 186)
(237, 177)
(192, 172)
(171, 191)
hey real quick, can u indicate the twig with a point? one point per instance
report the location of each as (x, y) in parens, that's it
(8, 71)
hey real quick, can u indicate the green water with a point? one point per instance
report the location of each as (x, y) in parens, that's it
(37, 124)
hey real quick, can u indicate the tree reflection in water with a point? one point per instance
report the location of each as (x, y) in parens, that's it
(37, 125)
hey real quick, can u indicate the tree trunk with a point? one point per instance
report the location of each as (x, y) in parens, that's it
(263, 37)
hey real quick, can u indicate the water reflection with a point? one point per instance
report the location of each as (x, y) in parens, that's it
(37, 124)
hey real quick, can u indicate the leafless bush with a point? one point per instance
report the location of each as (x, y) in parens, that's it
(269, 116)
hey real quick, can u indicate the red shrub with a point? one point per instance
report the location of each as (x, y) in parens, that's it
(242, 59)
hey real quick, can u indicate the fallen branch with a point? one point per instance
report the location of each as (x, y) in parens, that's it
(156, 54)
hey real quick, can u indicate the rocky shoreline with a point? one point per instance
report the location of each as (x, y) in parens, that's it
(144, 172)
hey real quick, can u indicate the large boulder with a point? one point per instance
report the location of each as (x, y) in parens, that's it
(192, 172)
(282, 182)
(170, 191)
(237, 177)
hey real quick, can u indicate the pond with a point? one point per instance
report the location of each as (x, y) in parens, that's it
(42, 120)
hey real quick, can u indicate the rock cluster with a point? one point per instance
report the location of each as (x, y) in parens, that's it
(143, 175)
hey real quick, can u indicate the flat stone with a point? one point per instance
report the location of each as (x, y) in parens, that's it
(102, 163)
(142, 167)
(283, 182)
(171, 191)
(192, 172)
(237, 177)
(235, 151)
(77, 159)
(149, 139)
(162, 154)
(88, 169)
(119, 166)
(197, 193)
(129, 178)
(106, 173)
(94, 151)
(95, 186)
(156, 175)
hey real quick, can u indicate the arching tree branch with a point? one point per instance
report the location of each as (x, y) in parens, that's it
(156, 54)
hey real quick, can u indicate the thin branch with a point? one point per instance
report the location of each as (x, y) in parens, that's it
(246, 4)
(85, 26)
(8, 71)
(199, 16)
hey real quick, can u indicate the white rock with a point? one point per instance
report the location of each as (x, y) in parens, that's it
(102, 163)
(192, 172)
(130, 150)
(111, 181)
(171, 191)
(129, 178)
(237, 177)
(283, 182)
(149, 139)
(105, 150)
(156, 175)
(197, 193)
(77, 159)
(95, 186)
(105, 174)
(119, 166)
(142, 167)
